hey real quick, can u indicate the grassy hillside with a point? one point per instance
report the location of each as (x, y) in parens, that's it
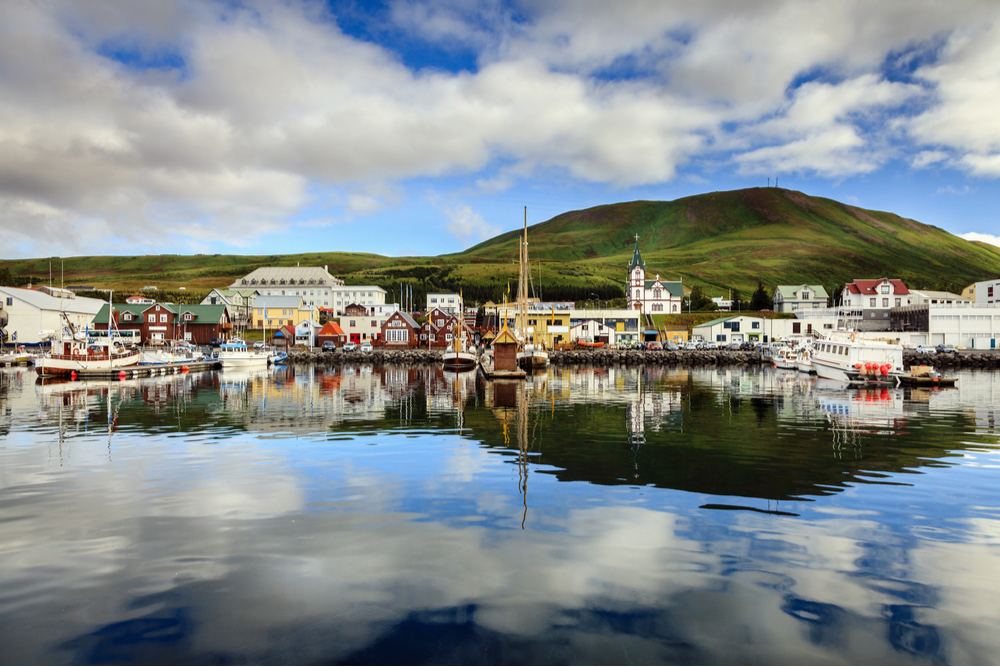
(719, 240)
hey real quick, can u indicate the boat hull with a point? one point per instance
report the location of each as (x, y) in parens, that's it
(67, 365)
(459, 360)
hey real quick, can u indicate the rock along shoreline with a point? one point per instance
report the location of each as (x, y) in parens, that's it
(963, 360)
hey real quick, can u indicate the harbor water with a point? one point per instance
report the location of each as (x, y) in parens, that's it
(390, 514)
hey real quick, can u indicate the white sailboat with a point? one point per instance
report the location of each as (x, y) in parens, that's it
(455, 357)
(75, 352)
(532, 353)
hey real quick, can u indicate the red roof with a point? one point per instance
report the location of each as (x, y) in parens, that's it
(331, 329)
(869, 286)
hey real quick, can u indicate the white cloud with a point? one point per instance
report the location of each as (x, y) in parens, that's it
(468, 226)
(261, 106)
(927, 158)
(984, 238)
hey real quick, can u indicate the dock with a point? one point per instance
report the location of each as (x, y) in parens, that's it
(927, 381)
(148, 370)
(491, 373)
(9, 360)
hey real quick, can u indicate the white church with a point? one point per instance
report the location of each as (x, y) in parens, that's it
(651, 296)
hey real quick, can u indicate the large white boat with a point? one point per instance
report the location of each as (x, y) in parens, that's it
(73, 353)
(849, 357)
(237, 354)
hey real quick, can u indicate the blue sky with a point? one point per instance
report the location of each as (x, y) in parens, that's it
(423, 128)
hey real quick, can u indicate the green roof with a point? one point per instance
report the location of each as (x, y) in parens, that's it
(788, 292)
(211, 314)
(675, 288)
(718, 320)
(636, 258)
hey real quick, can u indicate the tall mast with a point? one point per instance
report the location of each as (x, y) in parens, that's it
(522, 282)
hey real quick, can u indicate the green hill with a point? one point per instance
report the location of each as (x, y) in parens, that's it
(719, 240)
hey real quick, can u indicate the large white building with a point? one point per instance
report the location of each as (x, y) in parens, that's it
(651, 296)
(314, 284)
(32, 312)
(449, 302)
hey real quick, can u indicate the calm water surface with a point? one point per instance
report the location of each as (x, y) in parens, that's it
(399, 515)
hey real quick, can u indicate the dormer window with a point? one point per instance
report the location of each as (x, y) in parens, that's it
(885, 288)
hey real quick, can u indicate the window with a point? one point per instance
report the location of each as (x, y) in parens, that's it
(637, 294)
(899, 302)
(374, 324)
(805, 296)
(151, 318)
(352, 323)
(163, 319)
(188, 317)
(10, 300)
(796, 327)
(885, 288)
(885, 303)
(127, 317)
(756, 325)
(721, 338)
(871, 302)
(989, 292)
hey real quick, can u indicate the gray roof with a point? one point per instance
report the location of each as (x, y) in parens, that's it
(300, 274)
(277, 301)
(43, 301)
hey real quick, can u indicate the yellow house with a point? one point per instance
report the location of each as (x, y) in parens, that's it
(272, 312)
(676, 334)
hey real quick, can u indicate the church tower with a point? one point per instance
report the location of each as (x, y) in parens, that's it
(636, 285)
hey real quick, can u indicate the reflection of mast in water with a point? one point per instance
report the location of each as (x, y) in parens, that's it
(635, 414)
(522, 447)
(510, 405)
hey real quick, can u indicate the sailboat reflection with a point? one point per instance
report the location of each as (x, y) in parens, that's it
(510, 406)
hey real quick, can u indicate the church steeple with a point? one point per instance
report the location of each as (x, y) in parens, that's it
(636, 257)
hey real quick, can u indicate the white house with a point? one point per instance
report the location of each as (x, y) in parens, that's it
(748, 329)
(871, 301)
(450, 302)
(32, 312)
(651, 296)
(306, 332)
(787, 298)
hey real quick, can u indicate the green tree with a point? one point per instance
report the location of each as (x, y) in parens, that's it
(6, 278)
(761, 300)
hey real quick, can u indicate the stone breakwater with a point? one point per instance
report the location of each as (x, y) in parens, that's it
(376, 356)
(556, 358)
(987, 361)
(966, 359)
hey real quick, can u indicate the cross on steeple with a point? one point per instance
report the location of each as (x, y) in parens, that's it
(636, 238)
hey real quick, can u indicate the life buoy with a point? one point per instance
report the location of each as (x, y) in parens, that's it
(76, 352)
(852, 337)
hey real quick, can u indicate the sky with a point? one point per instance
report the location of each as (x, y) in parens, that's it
(423, 128)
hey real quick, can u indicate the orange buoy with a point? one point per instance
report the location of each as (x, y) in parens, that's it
(184, 369)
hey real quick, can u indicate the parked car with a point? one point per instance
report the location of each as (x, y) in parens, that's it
(350, 346)
(733, 346)
(711, 345)
(366, 347)
(690, 345)
(215, 342)
(672, 347)
(947, 349)
(329, 346)
(925, 349)
(259, 345)
(655, 345)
